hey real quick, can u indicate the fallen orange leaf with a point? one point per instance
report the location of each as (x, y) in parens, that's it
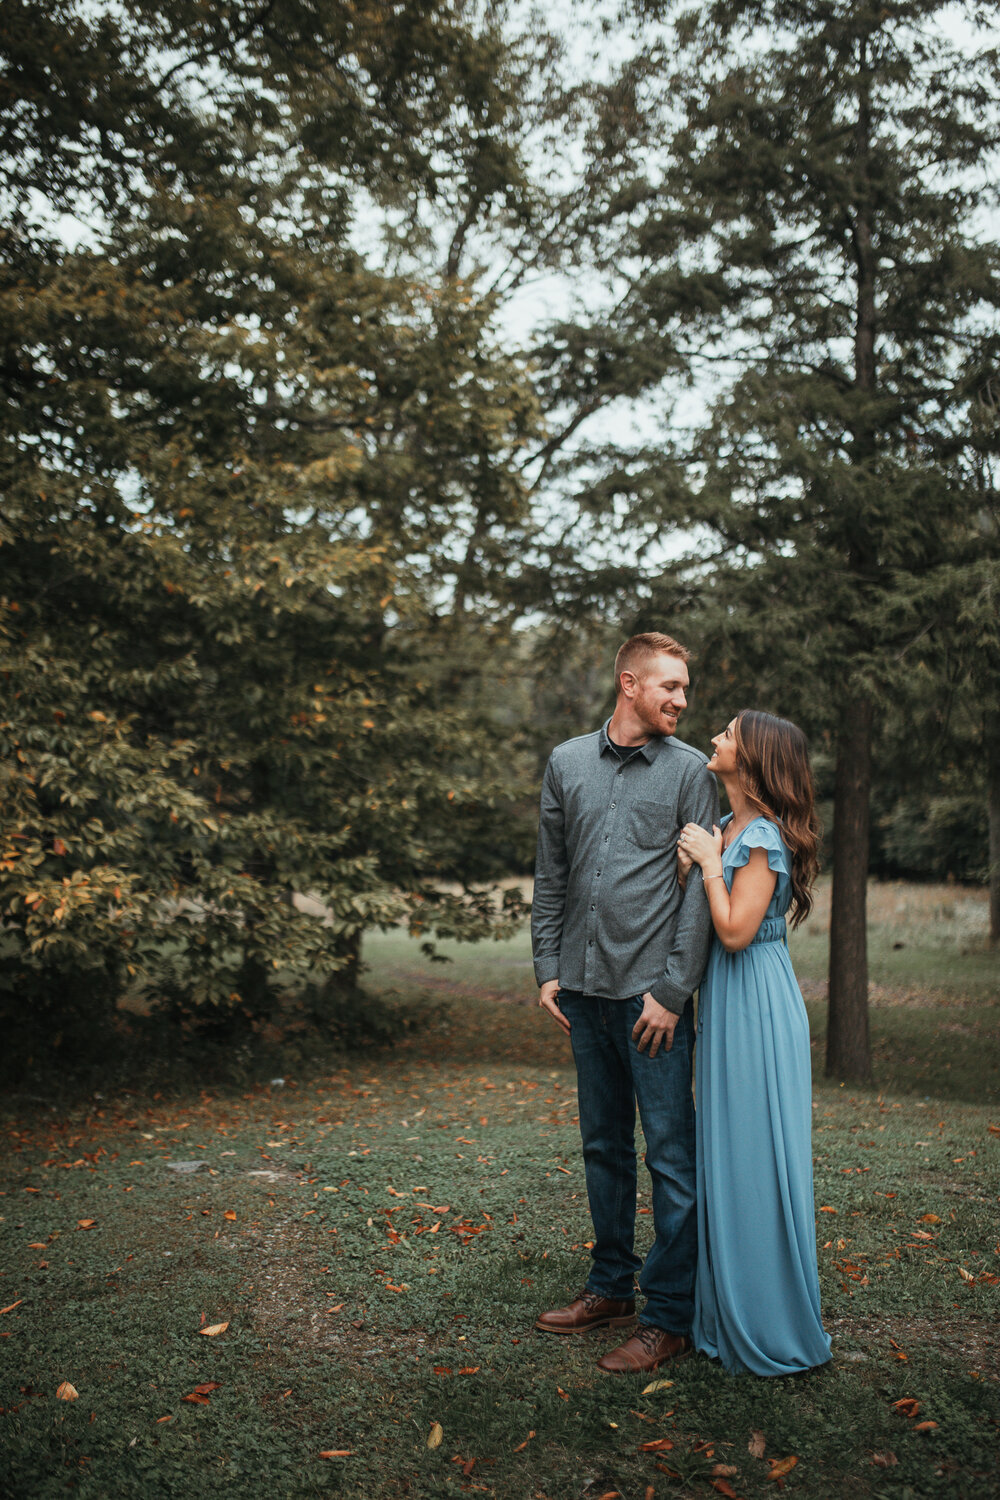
(11, 1305)
(562, 1392)
(435, 1435)
(724, 1471)
(85, 1223)
(469, 1370)
(67, 1392)
(826, 1209)
(658, 1445)
(782, 1466)
(208, 1387)
(230, 1213)
(527, 1440)
(884, 1460)
(213, 1329)
(928, 1219)
(168, 1418)
(908, 1405)
(196, 1399)
(924, 1426)
(724, 1488)
(336, 1453)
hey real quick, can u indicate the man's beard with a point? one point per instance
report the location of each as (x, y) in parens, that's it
(651, 717)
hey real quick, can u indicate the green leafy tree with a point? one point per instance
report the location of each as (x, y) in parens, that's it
(261, 491)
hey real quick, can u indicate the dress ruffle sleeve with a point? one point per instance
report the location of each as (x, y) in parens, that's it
(762, 834)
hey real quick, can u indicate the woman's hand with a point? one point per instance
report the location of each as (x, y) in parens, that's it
(684, 864)
(703, 848)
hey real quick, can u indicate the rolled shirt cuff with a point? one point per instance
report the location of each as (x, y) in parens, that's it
(670, 995)
(546, 969)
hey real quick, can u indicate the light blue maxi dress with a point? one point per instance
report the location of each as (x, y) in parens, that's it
(757, 1287)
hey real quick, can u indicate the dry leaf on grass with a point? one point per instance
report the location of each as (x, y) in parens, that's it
(435, 1435)
(924, 1426)
(780, 1467)
(757, 1443)
(67, 1392)
(656, 1385)
(724, 1471)
(527, 1440)
(884, 1460)
(908, 1405)
(723, 1487)
(336, 1453)
(230, 1213)
(85, 1223)
(11, 1306)
(213, 1329)
(197, 1399)
(658, 1445)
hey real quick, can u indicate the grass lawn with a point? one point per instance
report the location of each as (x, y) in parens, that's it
(379, 1232)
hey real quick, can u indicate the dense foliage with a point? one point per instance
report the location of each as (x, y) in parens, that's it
(256, 475)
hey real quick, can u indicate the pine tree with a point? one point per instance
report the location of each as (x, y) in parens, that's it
(805, 234)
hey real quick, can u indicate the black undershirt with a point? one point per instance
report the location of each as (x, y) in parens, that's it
(623, 752)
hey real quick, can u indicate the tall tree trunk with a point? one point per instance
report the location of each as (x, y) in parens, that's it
(993, 807)
(848, 1046)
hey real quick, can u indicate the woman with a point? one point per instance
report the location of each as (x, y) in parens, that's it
(757, 1289)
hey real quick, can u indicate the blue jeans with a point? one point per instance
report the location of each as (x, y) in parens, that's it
(612, 1077)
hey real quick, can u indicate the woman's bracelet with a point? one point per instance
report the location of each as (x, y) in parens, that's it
(718, 876)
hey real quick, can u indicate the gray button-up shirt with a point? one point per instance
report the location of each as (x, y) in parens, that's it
(608, 916)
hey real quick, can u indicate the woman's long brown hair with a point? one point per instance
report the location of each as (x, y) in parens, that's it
(772, 763)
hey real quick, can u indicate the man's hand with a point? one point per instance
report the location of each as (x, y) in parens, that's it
(548, 1000)
(655, 1027)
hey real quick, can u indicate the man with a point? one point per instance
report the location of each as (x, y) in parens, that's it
(618, 948)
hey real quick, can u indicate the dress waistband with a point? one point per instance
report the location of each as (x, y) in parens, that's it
(771, 930)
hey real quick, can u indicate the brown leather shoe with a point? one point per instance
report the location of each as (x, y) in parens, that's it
(647, 1348)
(589, 1310)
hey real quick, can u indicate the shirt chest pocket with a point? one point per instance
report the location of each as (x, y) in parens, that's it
(652, 825)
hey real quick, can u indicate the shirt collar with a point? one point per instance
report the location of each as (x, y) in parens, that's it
(649, 751)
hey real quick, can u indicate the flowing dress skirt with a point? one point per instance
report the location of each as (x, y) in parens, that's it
(757, 1290)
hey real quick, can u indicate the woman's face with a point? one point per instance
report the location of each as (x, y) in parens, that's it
(723, 761)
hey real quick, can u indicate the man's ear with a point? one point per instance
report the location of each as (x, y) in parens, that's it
(629, 682)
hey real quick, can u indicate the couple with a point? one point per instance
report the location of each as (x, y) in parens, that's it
(632, 879)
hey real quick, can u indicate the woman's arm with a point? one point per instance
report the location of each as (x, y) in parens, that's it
(736, 915)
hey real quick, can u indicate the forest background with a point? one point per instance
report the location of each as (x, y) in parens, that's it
(372, 370)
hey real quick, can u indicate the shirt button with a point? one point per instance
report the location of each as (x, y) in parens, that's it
(593, 908)
(612, 804)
